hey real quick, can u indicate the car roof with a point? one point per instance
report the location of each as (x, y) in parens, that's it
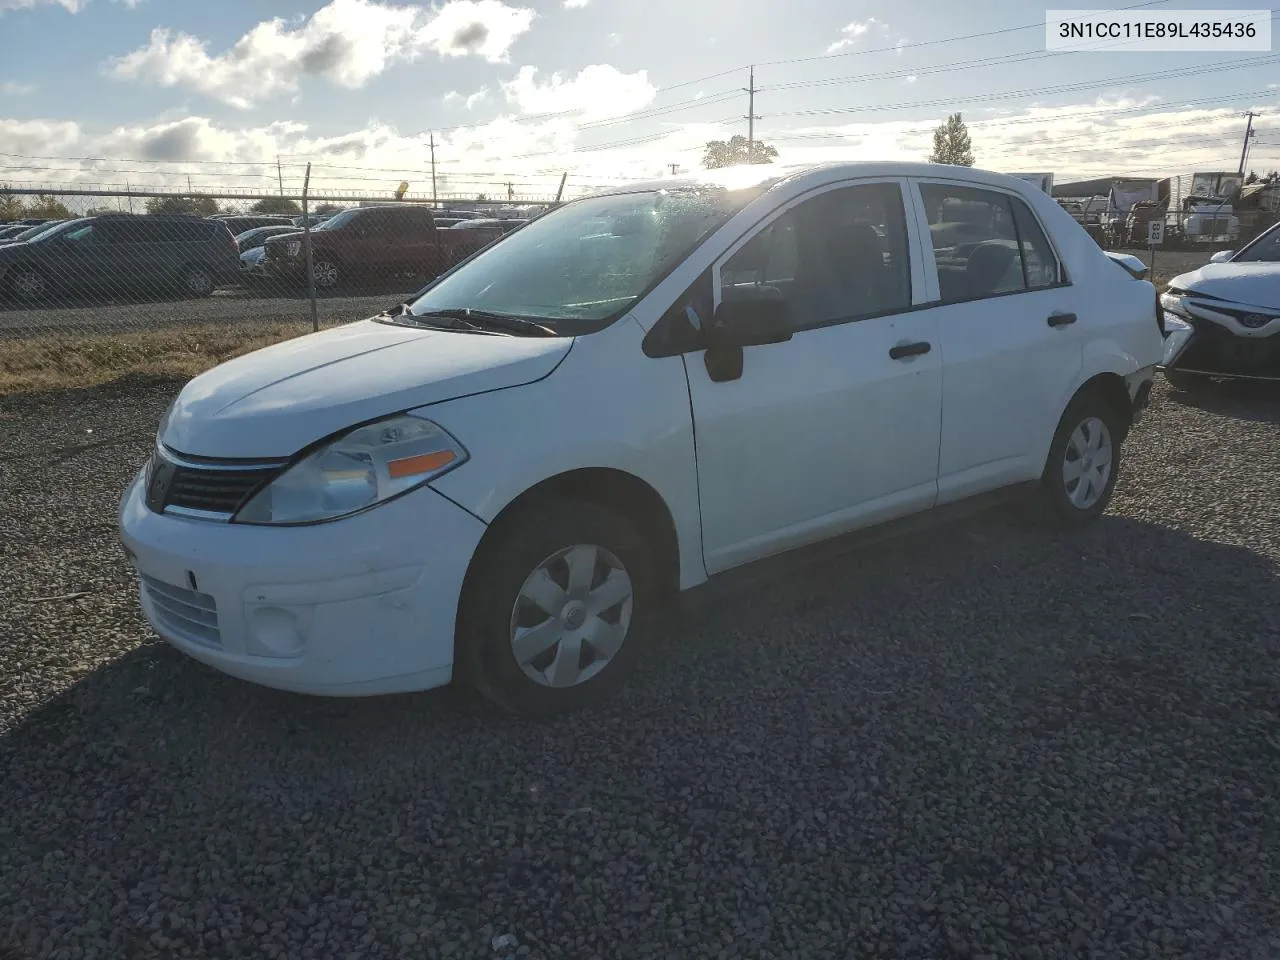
(768, 175)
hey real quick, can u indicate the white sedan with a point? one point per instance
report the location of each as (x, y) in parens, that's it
(636, 394)
(1223, 320)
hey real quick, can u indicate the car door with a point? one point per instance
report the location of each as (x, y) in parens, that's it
(1009, 335)
(83, 257)
(837, 427)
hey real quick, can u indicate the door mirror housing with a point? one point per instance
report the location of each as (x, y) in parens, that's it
(1222, 256)
(752, 317)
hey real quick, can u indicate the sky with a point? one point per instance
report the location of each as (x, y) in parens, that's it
(240, 94)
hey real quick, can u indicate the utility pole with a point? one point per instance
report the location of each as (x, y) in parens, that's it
(1248, 132)
(675, 168)
(751, 114)
(433, 169)
(279, 175)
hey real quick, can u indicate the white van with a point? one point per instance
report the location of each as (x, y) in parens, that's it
(637, 393)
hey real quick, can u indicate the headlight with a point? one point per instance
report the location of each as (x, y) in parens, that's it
(356, 470)
(1173, 303)
(292, 248)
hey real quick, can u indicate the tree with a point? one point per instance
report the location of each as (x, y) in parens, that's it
(731, 152)
(44, 205)
(328, 209)
(10, 206)
(951, 143)
(198, 205)
(482, 197)
(281, 205)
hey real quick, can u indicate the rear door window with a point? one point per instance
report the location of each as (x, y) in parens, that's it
(986, 243)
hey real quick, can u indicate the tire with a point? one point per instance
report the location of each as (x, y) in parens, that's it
(1091, 430)
(326, 274)
(27, 284)
(197, 281)
(538, 551)
(1181, 380)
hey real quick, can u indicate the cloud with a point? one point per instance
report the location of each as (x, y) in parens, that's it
(597, 92)
(575, 4)
(454, 97)
(347, 42)
(910, 78)
(12, 88)
(37, 136)
(484, 28)
(72, 6)
(614, 39)
(854, 31)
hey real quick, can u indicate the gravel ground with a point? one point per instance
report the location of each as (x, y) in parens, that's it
(988, 741)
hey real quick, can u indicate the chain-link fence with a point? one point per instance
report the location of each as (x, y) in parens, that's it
(96, 283)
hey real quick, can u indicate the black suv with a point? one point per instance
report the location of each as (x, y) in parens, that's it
(115, 251)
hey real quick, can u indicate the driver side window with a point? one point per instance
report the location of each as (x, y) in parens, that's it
(837, 257)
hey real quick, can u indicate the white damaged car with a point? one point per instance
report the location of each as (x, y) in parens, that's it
(1223, 320)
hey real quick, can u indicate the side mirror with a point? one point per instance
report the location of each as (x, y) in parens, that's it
(1222, 256)
(752, 318)
(756, 316)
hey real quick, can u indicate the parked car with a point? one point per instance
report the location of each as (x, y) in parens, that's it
(491, 229)
(239, 224)
(251, 269)
(12, 230)
(499, 481)
(370, 242)
(1223, 320)
(257, 236)
(121, 251)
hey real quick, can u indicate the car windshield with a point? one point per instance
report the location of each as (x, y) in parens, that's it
(32, 232)
(337, 221)
(54, 230)
(1265, 249)
(588, 261)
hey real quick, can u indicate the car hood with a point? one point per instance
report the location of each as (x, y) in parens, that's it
(1249, 284)
(275, 401)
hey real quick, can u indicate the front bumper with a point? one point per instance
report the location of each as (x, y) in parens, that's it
(360, 606)
(1210, 349)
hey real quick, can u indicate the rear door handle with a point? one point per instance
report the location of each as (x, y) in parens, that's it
(904, 350)
(1061, 319)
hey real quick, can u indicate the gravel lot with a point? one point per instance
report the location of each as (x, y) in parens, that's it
(989, 741)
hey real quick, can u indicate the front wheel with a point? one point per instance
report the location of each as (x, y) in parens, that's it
(197, 281)
(28, 284)
(555, 608)
(325, 273)
(1084, 461)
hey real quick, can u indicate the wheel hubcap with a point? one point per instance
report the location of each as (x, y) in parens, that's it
(326, 274)
(28, 284)
(1086, 465)
(571, 616)
(197, 281)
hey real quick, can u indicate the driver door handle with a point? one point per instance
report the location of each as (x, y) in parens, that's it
(1061, 319)
(904, 350)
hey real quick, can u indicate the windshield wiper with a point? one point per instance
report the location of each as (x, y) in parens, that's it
(481, 320)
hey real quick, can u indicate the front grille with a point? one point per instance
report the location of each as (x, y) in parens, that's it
(1214, 227)
(187, 614)
(1215, 350)
(219, 491)
(214, 488)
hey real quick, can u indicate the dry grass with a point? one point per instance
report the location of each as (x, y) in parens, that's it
(58, 362)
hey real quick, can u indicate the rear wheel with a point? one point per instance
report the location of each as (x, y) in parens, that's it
(28, 284)
(556, 607)
(197, 281)
(1084, 461)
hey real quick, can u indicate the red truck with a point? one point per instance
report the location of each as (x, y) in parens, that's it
(370, 243)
